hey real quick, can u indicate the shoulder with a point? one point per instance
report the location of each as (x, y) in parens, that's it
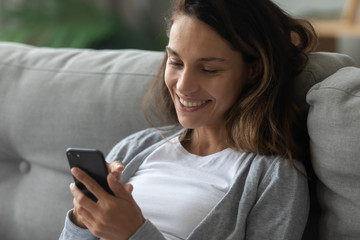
(275, 170)
(276, 198)
(139, 141)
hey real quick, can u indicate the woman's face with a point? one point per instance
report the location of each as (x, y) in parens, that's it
(203, 73)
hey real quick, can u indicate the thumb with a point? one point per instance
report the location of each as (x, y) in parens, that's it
(129, 187)
(119, 190)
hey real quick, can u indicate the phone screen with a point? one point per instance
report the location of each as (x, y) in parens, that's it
(92, 162)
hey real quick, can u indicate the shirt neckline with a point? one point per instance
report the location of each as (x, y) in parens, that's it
(188, 154)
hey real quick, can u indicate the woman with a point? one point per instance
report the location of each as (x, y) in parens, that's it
(229, 171)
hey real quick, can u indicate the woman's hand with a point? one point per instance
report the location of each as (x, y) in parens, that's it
(118, 167)
(112, 217)
(112, 167)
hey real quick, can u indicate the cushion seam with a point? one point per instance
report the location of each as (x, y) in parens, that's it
(73, 71)
(347, 91)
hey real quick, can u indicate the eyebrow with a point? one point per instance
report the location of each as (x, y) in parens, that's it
(205, 59)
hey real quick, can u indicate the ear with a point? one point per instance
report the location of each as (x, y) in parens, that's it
(255, 70)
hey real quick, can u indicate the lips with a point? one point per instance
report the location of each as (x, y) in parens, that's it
(191, 103)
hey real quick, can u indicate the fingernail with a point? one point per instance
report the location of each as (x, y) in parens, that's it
(119, 167)
(74, 171)
(72, 185)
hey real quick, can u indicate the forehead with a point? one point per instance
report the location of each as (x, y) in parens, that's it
(190, 35)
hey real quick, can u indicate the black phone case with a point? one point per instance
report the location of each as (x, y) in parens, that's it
(92, 162)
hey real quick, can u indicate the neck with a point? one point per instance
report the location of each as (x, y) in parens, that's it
(205, 141)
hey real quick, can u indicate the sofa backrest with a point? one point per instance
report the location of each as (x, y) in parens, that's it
(52, 99)
(334, 129)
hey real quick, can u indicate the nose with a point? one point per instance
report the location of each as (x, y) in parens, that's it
(187, 83)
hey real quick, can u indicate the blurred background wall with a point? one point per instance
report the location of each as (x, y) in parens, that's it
(106, 24)
(85, 23)
(331, 11)
(324, 8)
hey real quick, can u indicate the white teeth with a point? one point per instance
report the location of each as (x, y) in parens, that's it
(191, 104)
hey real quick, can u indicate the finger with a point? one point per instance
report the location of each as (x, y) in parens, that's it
(76, 217)
(84, 218)
(89, 183)
(115, 166)
(129, 187)
(81, 204)
(117, 187)
(80, 198)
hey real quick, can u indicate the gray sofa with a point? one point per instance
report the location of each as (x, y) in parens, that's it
(52, 99)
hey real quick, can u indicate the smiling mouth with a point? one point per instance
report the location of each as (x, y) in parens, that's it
(192, 103)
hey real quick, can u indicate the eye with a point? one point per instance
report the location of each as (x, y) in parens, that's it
(175, 63)
(210, 71)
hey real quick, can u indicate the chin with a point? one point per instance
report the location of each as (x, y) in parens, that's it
(188, 124)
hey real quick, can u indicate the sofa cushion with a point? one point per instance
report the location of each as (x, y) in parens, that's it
(320, 66)
(55, 98)
(334, 129)
(52, 99)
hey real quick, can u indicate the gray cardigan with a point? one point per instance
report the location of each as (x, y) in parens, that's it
(268, 199)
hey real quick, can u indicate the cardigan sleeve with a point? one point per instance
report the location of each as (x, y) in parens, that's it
(128, 148)
(73, 232)
(282, 204)
(70, 231)
(147, 231)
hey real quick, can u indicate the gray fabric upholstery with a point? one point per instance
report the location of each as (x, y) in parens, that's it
(52, 99)
(334, 128)
(321, 65)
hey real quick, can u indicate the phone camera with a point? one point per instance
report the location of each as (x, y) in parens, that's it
(70, 155)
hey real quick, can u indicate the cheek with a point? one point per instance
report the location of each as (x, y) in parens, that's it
(170, 79)
(233, 90)
(166, 77)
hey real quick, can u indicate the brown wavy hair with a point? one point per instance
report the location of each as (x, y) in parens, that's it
(264, 119)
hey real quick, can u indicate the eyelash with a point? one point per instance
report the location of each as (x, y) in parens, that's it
(178, 65)
(210, 71)
(175, 63)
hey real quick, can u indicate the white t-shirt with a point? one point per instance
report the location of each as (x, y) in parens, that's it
(176, 189)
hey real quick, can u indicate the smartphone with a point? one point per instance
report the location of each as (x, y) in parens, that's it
(92, 162)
